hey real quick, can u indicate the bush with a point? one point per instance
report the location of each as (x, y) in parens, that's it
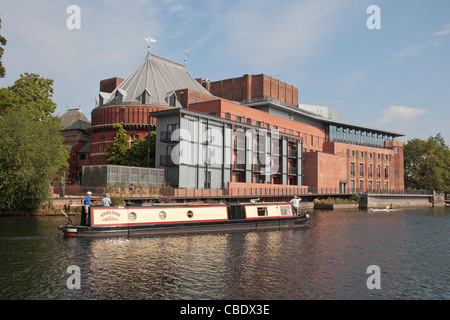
(330, 200)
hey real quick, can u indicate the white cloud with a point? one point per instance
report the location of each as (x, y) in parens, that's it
(430, 41)
(445, 31)
(396, 114)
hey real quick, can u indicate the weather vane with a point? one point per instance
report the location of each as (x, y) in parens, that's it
(149, 40)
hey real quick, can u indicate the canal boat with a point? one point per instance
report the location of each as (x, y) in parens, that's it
(184, 218)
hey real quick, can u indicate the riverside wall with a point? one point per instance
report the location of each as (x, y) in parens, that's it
(434, 199)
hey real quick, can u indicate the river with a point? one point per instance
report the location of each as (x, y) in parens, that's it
(328, 259)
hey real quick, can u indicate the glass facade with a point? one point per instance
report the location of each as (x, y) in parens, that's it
(357, 136)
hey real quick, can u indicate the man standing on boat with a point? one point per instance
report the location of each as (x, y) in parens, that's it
(296, 204)
(85, 209)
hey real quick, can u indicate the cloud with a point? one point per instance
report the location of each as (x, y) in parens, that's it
(445, 31)
(396, 114)
(433, 40)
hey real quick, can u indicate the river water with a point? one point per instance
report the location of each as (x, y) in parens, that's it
(327, 259)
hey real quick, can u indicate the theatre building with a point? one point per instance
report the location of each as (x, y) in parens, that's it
(282, 143)
(242, 132)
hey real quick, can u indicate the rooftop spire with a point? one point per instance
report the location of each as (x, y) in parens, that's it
(149, 40)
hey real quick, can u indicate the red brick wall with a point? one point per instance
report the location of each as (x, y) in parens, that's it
(221, 107)
(187, 97)
(115, 114)
(108, 116)
(326, 169)
(109, 85)
(254, 87)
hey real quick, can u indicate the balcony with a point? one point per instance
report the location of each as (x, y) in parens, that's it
(292, 171)
(292, 153)
(166, 160)
(169, 137)
(239, 166)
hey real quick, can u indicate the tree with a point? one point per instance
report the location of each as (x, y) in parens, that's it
(117, 152)
(31, 155)
(35, 94)
(137, 155)
(31, 146)
(427, 164)
(2, 43)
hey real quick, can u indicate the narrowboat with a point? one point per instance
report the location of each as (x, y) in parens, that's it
(184, 218)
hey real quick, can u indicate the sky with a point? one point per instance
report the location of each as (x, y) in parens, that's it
(387, 68)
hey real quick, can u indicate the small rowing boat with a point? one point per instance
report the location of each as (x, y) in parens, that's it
(386, 210)
(184, 218)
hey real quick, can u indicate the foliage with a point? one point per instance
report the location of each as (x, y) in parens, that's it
(117, 152)
(136, 156)
(2, 43)
(31, 155)
(30, 93)
(427, 164)
(330, 200)
(35, 94)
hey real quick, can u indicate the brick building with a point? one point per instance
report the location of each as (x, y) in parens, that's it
(259, 117)
(151, 87)
(74, 125)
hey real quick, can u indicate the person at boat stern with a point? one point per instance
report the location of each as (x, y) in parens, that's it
(106, 201)
(296, 204)
(86, 209)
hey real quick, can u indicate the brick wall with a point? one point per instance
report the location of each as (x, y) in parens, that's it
(254, 87)
(109, 85)
(313, 138)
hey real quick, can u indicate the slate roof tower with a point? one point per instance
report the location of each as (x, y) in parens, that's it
(156, 84)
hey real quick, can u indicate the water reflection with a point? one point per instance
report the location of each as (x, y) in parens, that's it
(327, 259)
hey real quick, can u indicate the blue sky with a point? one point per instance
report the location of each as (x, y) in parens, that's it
(394, 78)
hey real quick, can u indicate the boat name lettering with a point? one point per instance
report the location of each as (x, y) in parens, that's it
(109, 216)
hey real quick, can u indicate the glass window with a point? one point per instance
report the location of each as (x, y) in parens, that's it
(262, 211)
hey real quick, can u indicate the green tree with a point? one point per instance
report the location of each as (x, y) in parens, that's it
(31, 155)
(35, 94)
(2, 43)
(137, 155)
(427, 164)
(117, 152)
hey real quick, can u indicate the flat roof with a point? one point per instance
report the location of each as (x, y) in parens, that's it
(324, 120)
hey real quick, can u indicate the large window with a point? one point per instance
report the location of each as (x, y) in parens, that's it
(357, 136)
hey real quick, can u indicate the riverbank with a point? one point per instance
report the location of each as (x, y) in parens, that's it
(309, 202)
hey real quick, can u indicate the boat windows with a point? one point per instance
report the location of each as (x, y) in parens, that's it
(190, 214)
(132, 216)
(262, 211)
(285, 211)
(162, 215)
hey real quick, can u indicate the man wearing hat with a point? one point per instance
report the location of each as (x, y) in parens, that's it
(85, 209)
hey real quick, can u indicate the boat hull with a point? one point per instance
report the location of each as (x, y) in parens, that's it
(179, 228)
